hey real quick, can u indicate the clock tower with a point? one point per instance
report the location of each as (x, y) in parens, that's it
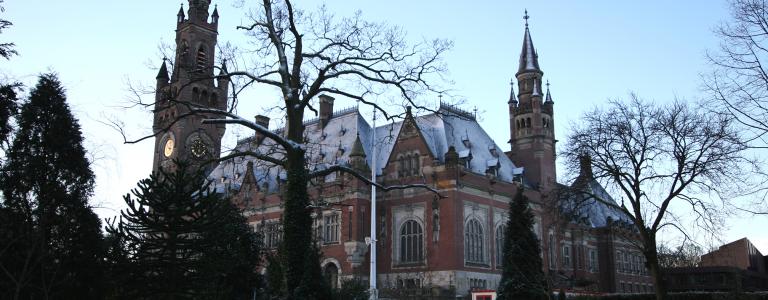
(179, 132)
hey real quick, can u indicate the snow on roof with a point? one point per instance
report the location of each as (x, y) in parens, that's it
(596, 212)
(332, 144)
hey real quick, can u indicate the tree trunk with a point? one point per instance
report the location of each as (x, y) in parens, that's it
(652, 258)
(297, 239)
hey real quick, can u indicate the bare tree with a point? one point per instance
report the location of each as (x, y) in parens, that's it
(685, 255)
(661, 159)
(738, 81)
(302, 55)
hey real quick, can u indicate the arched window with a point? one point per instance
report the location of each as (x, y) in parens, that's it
(528, 122)
(331, 273)
(195, 94)
(411, 242)
(203, 96)
(415, 165)
(202, 59)
(214, 100)
(473, 242)
(501, 233)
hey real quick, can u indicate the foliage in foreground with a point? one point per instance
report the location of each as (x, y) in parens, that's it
(179, 240)
(50, 238)
(522, 276)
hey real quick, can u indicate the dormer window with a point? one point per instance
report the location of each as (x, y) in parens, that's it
(493, 151)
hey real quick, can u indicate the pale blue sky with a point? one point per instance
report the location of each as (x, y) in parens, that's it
(591, 51)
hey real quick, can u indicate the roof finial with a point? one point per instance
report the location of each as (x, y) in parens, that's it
(526, 17)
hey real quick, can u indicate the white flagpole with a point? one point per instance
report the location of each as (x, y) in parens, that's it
(372, 276)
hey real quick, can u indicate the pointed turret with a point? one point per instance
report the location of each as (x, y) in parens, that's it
(548, 98)
(181, 15)
(529, 59)
(162, 74)
(215, 14)
(357, 155)
(357, 148)
(512, 98)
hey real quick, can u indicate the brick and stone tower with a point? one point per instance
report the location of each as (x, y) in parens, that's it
(180, 133)
(531, 120)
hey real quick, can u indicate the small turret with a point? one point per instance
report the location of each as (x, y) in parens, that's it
(215, 15)
(357, 156)
(162, 74)
(548, 98)
(180, 16)
(512, 99)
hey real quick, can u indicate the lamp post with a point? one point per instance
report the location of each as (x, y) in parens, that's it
(372, 276)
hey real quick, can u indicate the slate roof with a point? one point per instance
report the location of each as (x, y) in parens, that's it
(582, 206)
(333, 143)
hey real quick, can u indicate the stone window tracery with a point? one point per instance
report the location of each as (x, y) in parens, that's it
(473, 242)
(411, 242)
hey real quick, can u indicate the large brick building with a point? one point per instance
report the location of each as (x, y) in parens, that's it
(447, 245)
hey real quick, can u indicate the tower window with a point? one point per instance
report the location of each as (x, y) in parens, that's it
(214, 100)
(528, 122)
(202, 60)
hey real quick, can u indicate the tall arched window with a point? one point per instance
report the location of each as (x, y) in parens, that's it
(501, 233)
(411, 242)
(473, 242)
(202, 58)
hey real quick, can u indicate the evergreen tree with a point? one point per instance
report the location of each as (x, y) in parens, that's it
(53, 232)
(522, 276)
(180, 240)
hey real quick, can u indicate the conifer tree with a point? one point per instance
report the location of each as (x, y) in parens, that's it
(183, 241)
(53, 232)
(522, 276)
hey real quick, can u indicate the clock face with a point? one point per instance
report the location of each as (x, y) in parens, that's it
(199, 148)
(168, 150)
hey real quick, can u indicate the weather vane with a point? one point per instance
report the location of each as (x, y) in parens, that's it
(526, 17)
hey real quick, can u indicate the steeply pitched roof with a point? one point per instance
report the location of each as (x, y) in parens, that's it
(332, 144)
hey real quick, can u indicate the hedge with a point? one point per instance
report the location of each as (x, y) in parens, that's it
(680, 296)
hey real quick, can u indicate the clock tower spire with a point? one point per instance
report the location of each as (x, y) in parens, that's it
(179, 132)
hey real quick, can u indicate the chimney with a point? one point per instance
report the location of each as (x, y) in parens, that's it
(326, 109)
(585, 166)
(262, 121)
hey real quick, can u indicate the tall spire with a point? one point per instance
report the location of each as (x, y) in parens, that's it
(512, 98)
(548, 98)
(529, 60)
